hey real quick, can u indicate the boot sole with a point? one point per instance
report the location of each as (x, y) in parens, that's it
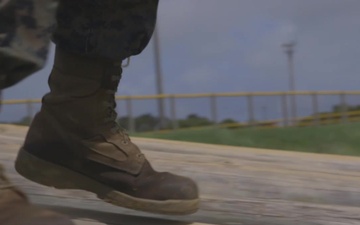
(53, 175)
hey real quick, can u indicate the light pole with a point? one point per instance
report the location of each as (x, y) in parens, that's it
(159, 78)
(289, 50)
(264, 112)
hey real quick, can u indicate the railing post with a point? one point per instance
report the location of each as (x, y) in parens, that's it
(293, 107)
(175, 124)
(344, 108)
(285, 109)
(1, 99)
(250, 109)
(315, 104)
(213, 108)
(130, 115)
(29, 110)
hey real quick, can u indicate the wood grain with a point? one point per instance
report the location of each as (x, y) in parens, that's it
(238, 185)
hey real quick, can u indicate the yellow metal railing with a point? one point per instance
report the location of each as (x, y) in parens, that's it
(317, 119)
(330, 118)
(204, 95)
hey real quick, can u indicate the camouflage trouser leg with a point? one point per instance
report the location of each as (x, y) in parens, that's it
(112, 29)
(25, 31)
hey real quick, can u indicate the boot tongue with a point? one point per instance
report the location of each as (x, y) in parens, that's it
(112, 150)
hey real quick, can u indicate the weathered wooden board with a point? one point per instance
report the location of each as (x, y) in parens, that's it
(91, 217)
(238, 185)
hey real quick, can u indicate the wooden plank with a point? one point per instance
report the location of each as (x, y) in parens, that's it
(238, 185)
(83, 216)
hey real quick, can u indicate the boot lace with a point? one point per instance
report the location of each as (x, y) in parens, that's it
(111, 114)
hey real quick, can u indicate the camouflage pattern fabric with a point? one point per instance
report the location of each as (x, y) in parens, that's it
(111, 29)
(25, 31)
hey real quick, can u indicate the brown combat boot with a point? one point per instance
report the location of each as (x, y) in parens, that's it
(15, 209)
(74, 142)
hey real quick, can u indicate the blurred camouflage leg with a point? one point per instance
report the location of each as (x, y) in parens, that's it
(24, 37)
(25, 31)
(16, 210)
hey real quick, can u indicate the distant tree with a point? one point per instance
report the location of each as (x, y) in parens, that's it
(341, 107)
(144, 122)
(228, 120)
(25, 121)
(193, 120)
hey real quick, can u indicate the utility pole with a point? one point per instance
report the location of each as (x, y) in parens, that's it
(159, 78)
(264, 113)
(289, 50)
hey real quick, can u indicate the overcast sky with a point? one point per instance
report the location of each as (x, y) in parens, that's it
(235, 45)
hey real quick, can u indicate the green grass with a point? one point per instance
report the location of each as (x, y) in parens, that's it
(331, 139)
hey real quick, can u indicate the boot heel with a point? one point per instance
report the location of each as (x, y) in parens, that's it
(43, 172)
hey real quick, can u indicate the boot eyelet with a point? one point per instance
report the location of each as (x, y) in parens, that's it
(125, 142)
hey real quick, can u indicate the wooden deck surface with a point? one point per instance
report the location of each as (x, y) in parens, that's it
(238, 185)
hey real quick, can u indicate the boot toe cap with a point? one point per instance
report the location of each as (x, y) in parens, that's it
(174, 187)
